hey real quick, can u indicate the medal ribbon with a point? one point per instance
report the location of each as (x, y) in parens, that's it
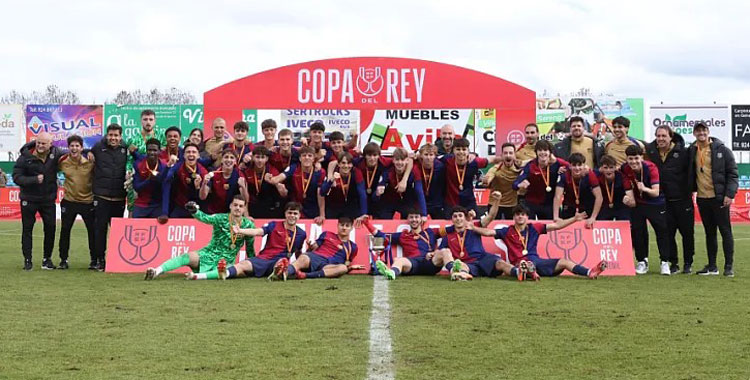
(460, 174)
(524, 239)
(461, 239)
(427, 180)
(290, 242)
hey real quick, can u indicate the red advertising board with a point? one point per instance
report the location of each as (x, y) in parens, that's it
(136, 244)
(10, 202)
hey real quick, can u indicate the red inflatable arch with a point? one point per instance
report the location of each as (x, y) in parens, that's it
(374, 83)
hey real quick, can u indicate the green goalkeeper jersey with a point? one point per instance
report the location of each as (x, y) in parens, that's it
(221, 245)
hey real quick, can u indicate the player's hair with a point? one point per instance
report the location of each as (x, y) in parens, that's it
(507, 144)
(371, 149)
(75, 138)
(293, 206)
(700, 125)
(239, 197)
(241, 126)
(460, 209)
(633, 150)
(573, 119)
(576, 159)
(173, 128)
(429, 146)
(228, 151)
(268, 123)
(400, 154)
(542, 145)
(197, 130)
(318, 126)
(286, 132)
(412, 210)
(261, 150)
(189, 144)
(531, 125)
(306, 150)
(607, 160)
(153, 141)
(147, 112)
(114, 127)
(461, 143)
(345, 220)
(335, 136)
(345, 156)
(520, 209)
(622, 120)
(665, 127)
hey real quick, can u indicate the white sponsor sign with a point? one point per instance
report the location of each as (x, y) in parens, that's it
(410, 129)
(683, 118)
(299, 120)
(12, 131)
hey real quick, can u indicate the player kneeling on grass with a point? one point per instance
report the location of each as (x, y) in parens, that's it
(224, 244)
(419, 248)
(329, 256)
(284, 239)
(522, 238)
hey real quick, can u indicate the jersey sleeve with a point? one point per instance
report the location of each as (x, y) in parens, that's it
(268, 228)
(523, 176)
(481, 162)
(212, 219)
(501, 232)
(561, 180)
(540, 228)
(653, 174)
(593, 179)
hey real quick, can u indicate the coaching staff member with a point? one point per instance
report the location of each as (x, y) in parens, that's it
(35, 172)
(713, 175)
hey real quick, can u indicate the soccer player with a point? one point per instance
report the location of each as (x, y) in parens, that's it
(344, 190)
(147, 182)
(616, 148)
(468, 259)
(373, 166)
(647, 203)
(223, 185)
(713, 174)
(337, 147)
(521, 240)
(172, 151)
(137, 145)
(578, 142)
(284, 155)
(182, 183)
(268, 128)
(577, 191)
(330, 256)
(527, 150)
(79, 199)
(304, 182)
(265, 195)
(501, 177)
(284, 240)
(389, 199)
(433, 180)
(612, 183)
(536, 181)
(241, 146)
(669, 154)
(224, 245)
(459, 176)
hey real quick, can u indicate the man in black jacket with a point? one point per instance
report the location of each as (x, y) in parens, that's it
(712, 173)
(669, 153)
(36, 173)
(578, 142)
(110, 159)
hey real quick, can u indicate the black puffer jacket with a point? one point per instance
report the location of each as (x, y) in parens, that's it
(723, 169)
(109, 169)
(673, 172)
(26, 170)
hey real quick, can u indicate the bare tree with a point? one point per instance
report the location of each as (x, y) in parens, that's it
(154, 96)
(51, 95)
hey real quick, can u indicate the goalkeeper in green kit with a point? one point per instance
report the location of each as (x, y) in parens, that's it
(224, 245)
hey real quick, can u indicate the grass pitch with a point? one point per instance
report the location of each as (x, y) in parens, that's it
(83, 324)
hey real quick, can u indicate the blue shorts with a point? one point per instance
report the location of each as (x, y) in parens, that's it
(544, 267)
(147, 212)
(484, 266)
(422, 267)
(263, 267)
(179, 212)
(317, 262)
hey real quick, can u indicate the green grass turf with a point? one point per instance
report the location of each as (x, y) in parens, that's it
(81, 324)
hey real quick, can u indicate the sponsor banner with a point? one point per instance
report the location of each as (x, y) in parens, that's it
(63, 121)
(128, 116)
(597, 112)
(11, 130)
(485, 132)
(410, 129)
(299, 120)
(136, 244)
(683, 118)
(741, 127)
(10, 202)
(191, 117)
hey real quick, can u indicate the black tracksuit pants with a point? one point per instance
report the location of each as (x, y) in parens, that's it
(104, 211)
(28, 218)
(681, 217)
(656, 215)
(68, 212)
(714, 215)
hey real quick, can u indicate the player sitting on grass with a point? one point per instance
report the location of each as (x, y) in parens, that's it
(522, 238)
(329, 256)
(224, 245)
(284, 239)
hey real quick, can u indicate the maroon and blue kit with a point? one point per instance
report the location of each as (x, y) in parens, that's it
(348, 198)
(647, 208)
(303, 189)
(459, 183)
(373, 177)
(147, 182)
(467, 247)
(331, 251)
(578, 195)
(179, 188)
(392, 201)
(415, 247)
(223, 191)
(281, 162)
(433, 185)
(280, 243)
(265, 200)
(166, 153)
(612, 194)
(540, 194)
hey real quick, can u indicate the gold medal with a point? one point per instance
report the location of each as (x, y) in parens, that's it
(525, 252)
(192, 175)
(611, 205)
(369, 191)
(154, 173)
(232, 246)
(461, 187)
(549, 189)
(577, 202)
(226, 186)
(461, 254)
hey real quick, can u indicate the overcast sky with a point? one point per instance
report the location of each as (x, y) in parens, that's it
(671, 51)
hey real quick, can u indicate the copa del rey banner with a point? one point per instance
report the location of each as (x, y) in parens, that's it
(136, 244)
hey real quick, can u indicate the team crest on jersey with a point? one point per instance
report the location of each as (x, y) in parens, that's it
(719, 155)
(676, 155)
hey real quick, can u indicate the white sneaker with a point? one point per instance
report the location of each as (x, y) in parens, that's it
(641, 267)
(665, 268)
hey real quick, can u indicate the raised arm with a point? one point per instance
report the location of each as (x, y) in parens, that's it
(558, 225)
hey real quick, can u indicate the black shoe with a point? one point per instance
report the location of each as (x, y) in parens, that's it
(728, 272)
(708, 271)
(27, 265)
(674, 268)
(687, 269)
(48, 265)
(101, 266)
(93, 264)
(63, 264)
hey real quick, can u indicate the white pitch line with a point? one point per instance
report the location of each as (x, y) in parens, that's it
(381, 365)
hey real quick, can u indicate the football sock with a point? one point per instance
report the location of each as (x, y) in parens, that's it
(290, 271)
(395, 270)
(581, 270)
(174, 263)
(202, 276)
(316, 274)
(514, 272)
(212, 274)
(449, 266)
(231, 272)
